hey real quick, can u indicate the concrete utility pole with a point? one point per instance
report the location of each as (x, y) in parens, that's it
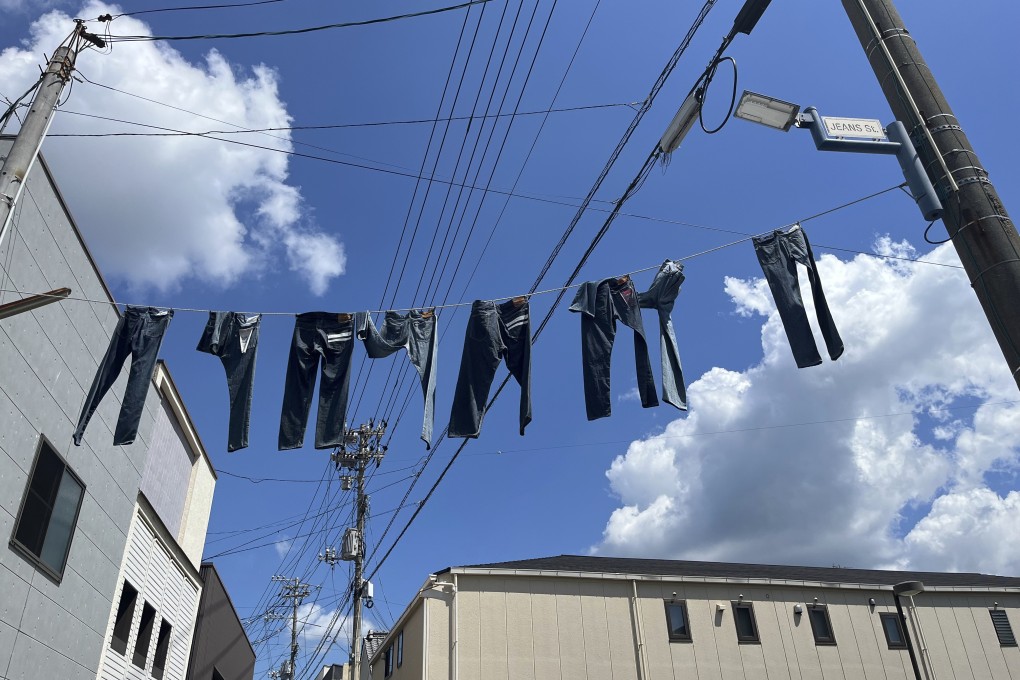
(21, 157)
(293, 589)
(975, 218)
(362, 445)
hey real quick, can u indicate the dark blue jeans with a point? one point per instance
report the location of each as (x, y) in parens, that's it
(601, 303)
(326, 338)
(234, 338)
(139, 334)
(494, 333)
(778, 253)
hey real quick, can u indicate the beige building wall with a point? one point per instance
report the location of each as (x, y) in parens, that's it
(592, 627)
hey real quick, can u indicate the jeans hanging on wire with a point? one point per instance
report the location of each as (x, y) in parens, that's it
(601, 303)
(139, 334)
(495, 332)
(234, 338)
(779, 253)
(319, 338)
(417, 333)
(661, 296)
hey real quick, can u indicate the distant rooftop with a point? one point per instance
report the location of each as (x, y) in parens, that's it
(373, 641)
(725, 570)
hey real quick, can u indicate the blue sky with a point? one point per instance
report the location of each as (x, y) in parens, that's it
(901, 454)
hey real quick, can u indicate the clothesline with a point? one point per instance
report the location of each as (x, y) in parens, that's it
(747, 237)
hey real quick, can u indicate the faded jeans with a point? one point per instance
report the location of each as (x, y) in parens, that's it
(415, 332)
(601, 304)
(779, 253)
(139, 334)
(661, 296)
(234, 338)
(495, 332)
(319, 338)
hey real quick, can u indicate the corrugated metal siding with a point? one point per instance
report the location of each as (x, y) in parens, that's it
(150, 568)
(168, 469)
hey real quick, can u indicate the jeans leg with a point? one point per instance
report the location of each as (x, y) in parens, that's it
(833, 343)
(478, 364)
(597, 336)
(518, 359)
(333, 386)
(298, 387)
(145, 342)
(240, 369)
(109, 369)
(427, 371)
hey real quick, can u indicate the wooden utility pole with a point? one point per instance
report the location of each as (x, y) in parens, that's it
(981, 230)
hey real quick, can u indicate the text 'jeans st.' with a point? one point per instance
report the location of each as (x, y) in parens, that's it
(319, 338)
(417, 333)
(495, 332)
(139, 334)
(234, 338)
(778, 253)
(600, 304)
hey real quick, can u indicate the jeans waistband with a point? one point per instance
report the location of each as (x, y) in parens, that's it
(318, 319)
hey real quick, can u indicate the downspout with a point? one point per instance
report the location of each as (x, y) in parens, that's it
(425, 639)
(454, 648)
(639, 635)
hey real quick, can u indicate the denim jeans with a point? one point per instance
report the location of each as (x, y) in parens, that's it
(139, 334)
(326, 338)
(660, 296)
(415, 332)
(601, 303)
(234, 338)
(495, 332)
(779, 253)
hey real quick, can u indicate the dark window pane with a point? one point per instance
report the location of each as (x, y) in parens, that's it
(125, 614)
(893, 631)
(58, 535)
(400, 649)
(32, 524)
(47, 474)
(676, 621)
(144, 635)
(162, 647)
(216, 675)
(743, 616)
(388, 662)
(820, 625)
(1003, 630)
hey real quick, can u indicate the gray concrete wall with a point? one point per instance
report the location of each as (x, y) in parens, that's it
(48, 359)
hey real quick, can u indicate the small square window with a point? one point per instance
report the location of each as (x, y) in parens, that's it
(821, 626)
(743, 618)
(125, 615)
(677, 623)
(388, 662)
(49, 512)
(141, 655)
(400, 649)
(1003, 630)
(893, 630)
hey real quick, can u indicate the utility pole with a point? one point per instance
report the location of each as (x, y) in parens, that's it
(22, 155)
(295, 590)
(981, 230)
(361, 446)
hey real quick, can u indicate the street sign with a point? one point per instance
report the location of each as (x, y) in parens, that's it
(858, 128)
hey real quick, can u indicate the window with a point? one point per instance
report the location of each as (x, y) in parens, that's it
(216, 675)
(400, 649)
(388, 662)
(676, 621)
(162, 648)
(144, 635)
(821, 626)
(743, 617)
(125, 614)
(49, 512)
(893, 631)
(1002, 628)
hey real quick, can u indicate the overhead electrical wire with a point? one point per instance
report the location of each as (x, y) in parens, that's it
(293, 31)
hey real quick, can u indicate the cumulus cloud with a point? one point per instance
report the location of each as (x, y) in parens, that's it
(880, 459)
(159, 211)
(317, 622)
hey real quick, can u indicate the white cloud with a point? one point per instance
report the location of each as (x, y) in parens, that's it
(316, 622)
(282, 547)
(161, 210)
(776, 464)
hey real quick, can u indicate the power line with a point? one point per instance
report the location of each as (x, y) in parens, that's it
(293, 31)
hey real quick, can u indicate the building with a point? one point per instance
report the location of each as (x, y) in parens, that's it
(221, 648)
(80, 521)
(614, 618)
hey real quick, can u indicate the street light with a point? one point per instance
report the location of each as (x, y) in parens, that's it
(908, 589)
(858, 135)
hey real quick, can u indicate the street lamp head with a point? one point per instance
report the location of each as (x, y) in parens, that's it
(768, 111)
(908, 588)
(748, 16)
